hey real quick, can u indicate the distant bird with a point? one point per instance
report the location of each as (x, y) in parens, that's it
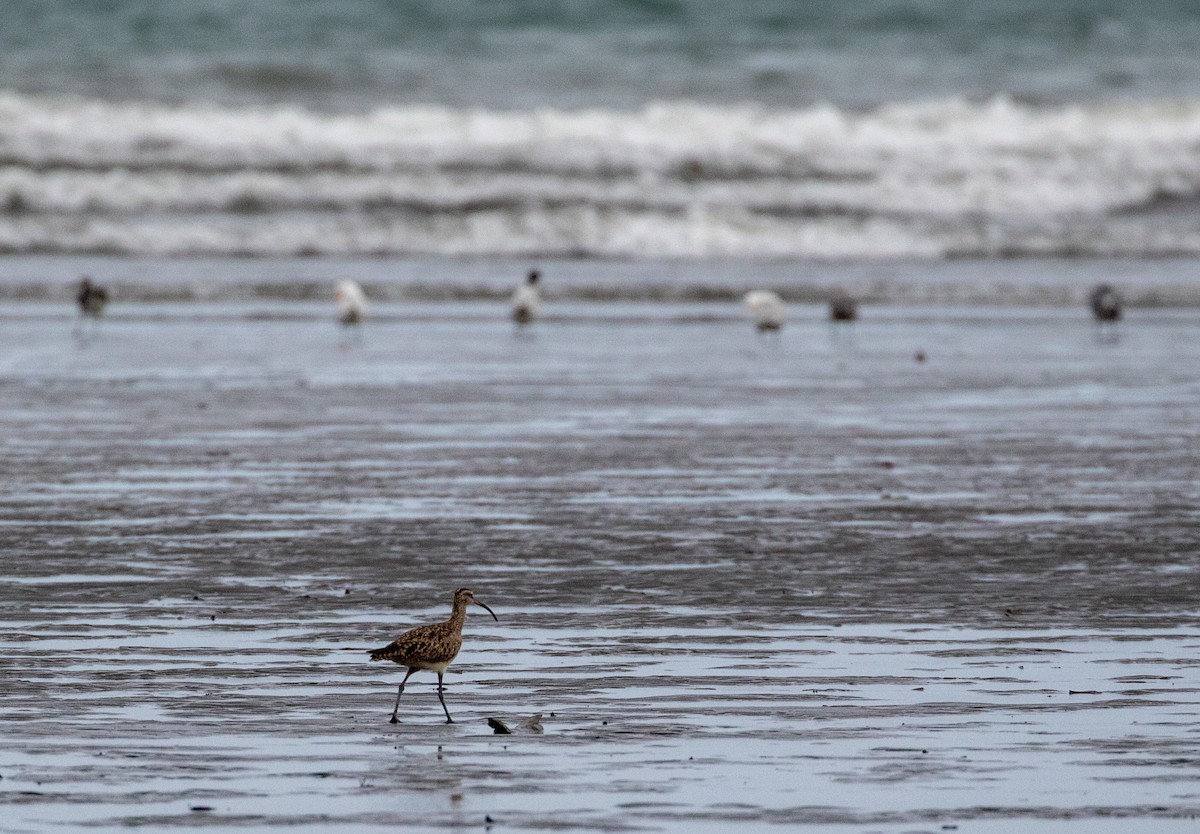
(1105, 303)
(351, 302)
(526, 299)
(842, 308)
(431, 647)
(766, 310)
(91, 298)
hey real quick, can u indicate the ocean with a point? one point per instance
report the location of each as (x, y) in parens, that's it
(767, 130)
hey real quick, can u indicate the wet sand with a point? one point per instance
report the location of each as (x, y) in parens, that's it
(765, 582)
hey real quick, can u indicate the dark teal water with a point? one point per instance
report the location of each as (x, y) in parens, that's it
(520, 53)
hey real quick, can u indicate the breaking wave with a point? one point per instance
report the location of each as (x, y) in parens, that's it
(927, 180)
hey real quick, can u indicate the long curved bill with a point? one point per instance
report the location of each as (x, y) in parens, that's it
(485, 608)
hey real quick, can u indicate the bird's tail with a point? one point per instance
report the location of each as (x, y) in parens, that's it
(386, 653)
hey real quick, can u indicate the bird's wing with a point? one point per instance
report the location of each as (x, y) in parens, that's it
(426, 641)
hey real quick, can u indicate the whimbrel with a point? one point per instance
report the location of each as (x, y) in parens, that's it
(526, 299)
(351, 302)
(431, 647)
(766, 310)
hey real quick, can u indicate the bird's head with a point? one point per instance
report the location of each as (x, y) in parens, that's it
(464, 597)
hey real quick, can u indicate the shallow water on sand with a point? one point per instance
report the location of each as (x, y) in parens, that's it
(803, 580)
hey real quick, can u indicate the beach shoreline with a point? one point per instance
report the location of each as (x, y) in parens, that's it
(805, 578)
(1145, 283)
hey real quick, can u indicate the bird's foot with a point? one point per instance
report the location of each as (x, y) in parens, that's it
(394, 720)
(449, 720)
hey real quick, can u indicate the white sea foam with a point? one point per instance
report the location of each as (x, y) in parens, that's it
(925, 180)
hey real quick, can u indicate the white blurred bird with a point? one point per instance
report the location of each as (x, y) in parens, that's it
(526, 299)
(351, 302)
(766, 309)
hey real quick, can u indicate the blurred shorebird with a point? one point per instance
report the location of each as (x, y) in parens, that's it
(91, 298)
(351, 302)
(842, 307)
(526, 299)
(766, 310)
(1105, 303)
(431, 647)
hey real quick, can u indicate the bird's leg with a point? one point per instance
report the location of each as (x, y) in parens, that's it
(398, 694)
(442, 689)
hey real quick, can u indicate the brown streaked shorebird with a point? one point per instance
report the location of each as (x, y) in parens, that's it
(431, 647)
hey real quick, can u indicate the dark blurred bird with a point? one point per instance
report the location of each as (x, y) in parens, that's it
(842, 308)
(431, 647)
(1105, 303)
(91, 298)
